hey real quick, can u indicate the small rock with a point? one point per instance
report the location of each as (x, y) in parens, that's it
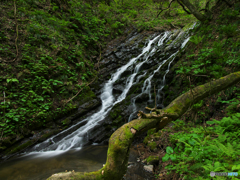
(148, 168)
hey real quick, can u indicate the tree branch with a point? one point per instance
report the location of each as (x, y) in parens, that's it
(121, 139)
(183, 7)
(165, 9)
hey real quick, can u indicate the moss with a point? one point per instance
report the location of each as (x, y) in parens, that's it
(118, 120)
(186, 27)
(152, 145)
(169, 42)
(19, 147)
(150, 159)
(146, 139)
(151, 131)
(88, 95)
(47, 135)
(115, 112)
(66, 121)
(140, 45)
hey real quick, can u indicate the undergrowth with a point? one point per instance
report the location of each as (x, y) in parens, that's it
(201, 150)
(49, 52)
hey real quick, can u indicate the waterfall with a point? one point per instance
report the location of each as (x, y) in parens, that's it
(78, 138)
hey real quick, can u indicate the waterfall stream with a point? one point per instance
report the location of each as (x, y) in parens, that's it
(77, 139)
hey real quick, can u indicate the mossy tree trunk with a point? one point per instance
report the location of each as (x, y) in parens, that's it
(121, 139)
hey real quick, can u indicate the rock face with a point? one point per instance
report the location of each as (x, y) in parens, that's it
(118, 53)
(153, 72)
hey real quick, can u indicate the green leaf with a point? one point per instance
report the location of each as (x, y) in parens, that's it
(236, 167)
(165, 158)
(173, 157)
(191, 141)
(169, 150)
(210, 122)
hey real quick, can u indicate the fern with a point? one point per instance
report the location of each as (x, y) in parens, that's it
(196, 39)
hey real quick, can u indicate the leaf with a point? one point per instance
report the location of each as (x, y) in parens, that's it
(169, 150)
(165, 158)
(236, 167)
(191, 142)
(210, 122)
(173, 157)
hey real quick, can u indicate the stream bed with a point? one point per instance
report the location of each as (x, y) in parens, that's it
(40, 166)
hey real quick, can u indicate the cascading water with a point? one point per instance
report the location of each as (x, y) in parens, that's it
(146, 89)
(80, 137)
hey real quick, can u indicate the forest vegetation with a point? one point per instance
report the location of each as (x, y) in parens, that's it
(50, 52)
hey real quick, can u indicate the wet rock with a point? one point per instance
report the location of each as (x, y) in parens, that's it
(118, 53)
(118, 88)
(148, 168)
(142, 98)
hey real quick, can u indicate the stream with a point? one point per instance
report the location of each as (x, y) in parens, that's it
(72, 152)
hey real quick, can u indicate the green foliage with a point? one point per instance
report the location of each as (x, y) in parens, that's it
(200, 153)
(213, 55)
(169, 154)
(230, 30)
(196, 39)
(151, 131)
(52, 66)
(198, 105)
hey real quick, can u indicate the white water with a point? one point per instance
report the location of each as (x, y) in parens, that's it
(77, 139)
(146, 89)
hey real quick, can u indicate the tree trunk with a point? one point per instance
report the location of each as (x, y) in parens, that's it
(121, 139)
(194, 11)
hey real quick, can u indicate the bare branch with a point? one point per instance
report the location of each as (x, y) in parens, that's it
(165, 9)
(183, 7)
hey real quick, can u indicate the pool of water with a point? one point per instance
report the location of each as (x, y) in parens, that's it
(40, 166)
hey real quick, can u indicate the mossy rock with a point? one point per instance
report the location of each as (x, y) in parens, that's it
(169, 42)
(66, 121)
(118, 120)
(147, 139)
(153, 160)
(156, 136)
(115, 112)
(152, 145)
(47, 135)
(18, 147)
(151, 131)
